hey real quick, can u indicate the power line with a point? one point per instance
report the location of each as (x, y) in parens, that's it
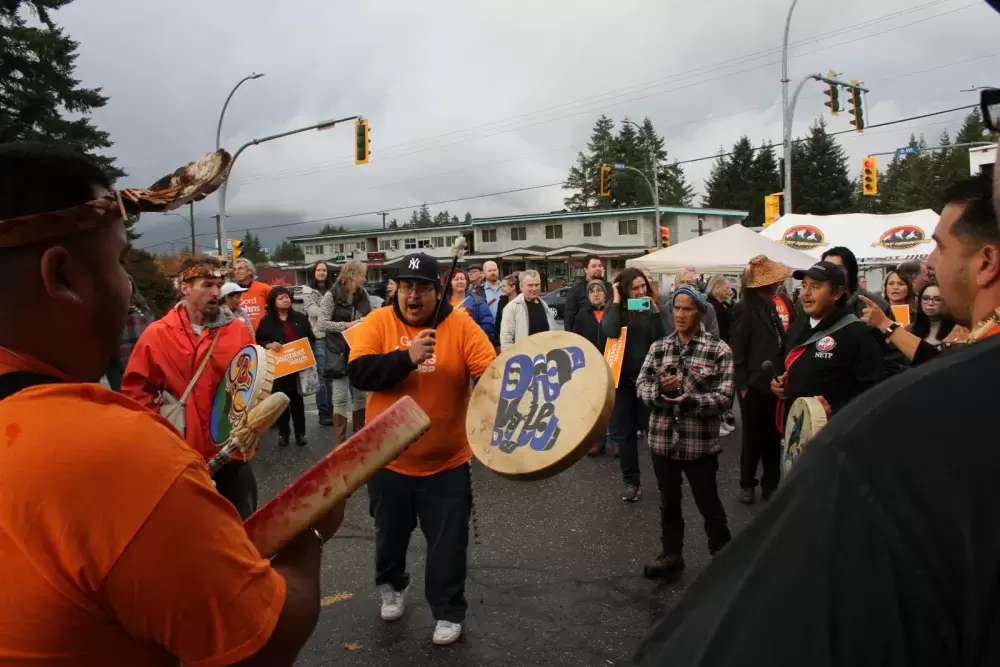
(548, 185)
(503, 126)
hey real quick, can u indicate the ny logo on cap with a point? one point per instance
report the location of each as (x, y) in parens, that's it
(415, 263)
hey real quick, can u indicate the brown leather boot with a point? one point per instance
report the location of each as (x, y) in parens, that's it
(339, 430)
(359, 420)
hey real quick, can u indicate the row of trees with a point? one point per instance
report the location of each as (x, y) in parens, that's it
(823, 181)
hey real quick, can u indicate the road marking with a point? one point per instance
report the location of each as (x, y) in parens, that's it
(336, 597)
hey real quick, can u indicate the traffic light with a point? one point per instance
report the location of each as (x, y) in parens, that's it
(665, 237)
(772, 208)
(237, 248)
(869, 176)
(362, 143)
(857, 111)
(834, 94)
(605, 180)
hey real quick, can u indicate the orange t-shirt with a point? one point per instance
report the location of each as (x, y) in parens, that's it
(440, 386)
(254, 301)
(116, 548)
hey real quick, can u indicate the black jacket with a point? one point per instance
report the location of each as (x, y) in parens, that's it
(577, 301)
(644, 328)
(271, 329)
(838, 366)
(722, 315)
(501, 303)
(757, 336)
(381, 372)
(587, 326)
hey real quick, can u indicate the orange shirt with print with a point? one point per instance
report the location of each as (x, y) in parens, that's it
(254, 301)
(116, 548)
(440, 386)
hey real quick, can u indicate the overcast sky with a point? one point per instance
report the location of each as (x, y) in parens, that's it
(467, 98)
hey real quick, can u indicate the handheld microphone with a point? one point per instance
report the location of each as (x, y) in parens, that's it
(768, 367)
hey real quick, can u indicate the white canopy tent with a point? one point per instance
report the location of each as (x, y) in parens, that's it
(727, 250)
(874, 239)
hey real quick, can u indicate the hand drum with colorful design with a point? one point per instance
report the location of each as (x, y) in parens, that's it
(540, 406)
(805, 418)
(247, 382)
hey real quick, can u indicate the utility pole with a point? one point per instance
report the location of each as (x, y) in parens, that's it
(653, 191)
(220, 229)
(383, 214)
(786, 121)
(194, 244)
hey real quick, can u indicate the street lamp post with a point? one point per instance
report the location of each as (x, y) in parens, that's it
(324, 125)
(655, 187)
(190, 221)
(786, 117)
(220, 224)
(618, 166)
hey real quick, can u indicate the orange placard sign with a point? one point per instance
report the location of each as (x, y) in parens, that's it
(901, 314)
(614, 352)
(293, 357)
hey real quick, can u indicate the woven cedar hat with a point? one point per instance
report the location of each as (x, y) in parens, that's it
(762, 272)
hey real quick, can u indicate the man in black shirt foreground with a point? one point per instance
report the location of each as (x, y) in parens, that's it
(881, 547)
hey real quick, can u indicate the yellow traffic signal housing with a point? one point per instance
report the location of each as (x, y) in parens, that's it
(605, 188)
(664, 237)
(362, 142)
(772, 208)
(869, 176)
(856, 101)
(237, 248)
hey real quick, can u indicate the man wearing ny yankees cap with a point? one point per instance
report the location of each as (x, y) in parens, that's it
(398, 352)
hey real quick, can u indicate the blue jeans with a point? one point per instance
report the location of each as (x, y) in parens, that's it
(323, 404)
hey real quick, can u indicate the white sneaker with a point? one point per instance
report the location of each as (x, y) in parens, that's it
(393, 604)
(726, 429)
(446, 632)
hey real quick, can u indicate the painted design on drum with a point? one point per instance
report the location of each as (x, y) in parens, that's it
(795, 442)
(541, 377)
(233, 396)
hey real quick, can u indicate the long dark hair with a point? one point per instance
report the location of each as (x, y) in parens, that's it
(326, 284)
(625, 280)
(907, 280)
(272, 300)
(921, 326)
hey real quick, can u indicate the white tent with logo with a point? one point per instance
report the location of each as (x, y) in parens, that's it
(727, 250)
(874, 239)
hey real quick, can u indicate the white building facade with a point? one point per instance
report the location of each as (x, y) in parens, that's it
(555, 244)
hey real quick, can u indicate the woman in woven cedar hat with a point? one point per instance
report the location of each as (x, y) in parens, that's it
(759, 322)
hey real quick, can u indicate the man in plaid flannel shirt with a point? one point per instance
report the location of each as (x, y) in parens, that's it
(687, 382)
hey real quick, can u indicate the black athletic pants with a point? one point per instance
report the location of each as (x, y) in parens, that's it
(701, 476)
(296, 410)
(761, 440)
(236, 483)
(442, 505)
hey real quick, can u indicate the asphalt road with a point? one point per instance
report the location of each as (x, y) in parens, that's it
(555, 577)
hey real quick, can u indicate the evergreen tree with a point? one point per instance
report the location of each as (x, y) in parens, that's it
(717, 192)
(425, 219)
(155, 287)
(584, 176)
(38, 89)
(673, 185)
(441, 218)
(629, 190)
(287, 252)
(394, 224)
(454, 220)
(468, 218)
(414, 220)
(252, 248)
(331, 229)
(820, 182)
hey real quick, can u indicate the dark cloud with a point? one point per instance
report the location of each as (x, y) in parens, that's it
(467, 98)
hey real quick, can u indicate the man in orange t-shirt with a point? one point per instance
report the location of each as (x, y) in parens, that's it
(254, 300)
(395, 353)
(116, 549)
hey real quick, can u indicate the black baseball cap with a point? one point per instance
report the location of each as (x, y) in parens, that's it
(826, 272)
(420, 266)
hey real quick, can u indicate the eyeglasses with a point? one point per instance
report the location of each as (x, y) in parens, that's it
(932, 299)
(419, 288)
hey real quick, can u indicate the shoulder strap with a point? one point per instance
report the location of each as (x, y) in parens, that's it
(11, 383)
(201, 368)
(836, 326)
